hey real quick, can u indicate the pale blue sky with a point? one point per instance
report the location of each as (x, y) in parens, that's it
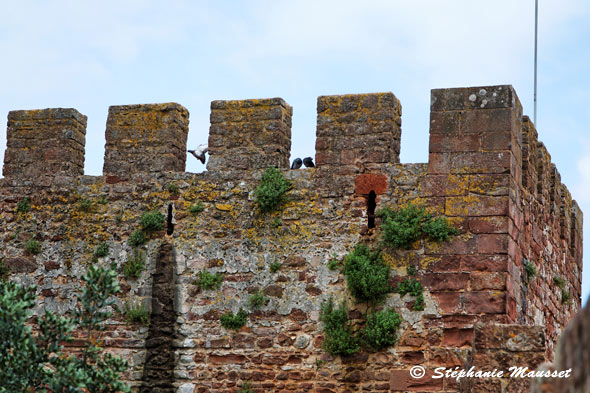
(89, 55)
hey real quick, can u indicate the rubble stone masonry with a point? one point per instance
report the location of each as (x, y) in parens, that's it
(487, 172)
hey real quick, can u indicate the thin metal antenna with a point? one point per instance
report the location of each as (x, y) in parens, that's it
(535, 95)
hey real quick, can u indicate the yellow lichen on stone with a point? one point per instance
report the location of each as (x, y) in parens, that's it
(224, 207)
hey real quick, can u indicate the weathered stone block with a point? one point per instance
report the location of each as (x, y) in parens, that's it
(43, 144)
(145, 138)
(358, 130)
(250, 134)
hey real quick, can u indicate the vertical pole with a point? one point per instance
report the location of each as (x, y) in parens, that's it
(535, 94)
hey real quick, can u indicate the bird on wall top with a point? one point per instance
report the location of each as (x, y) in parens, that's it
(199, 152)
(308, 162)
(296, 163)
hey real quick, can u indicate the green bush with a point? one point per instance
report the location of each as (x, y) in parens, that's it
(257, 299)
(401, 228)
(411, 270)
(334, 264)
(32, 246)
(172, 188)
(418, 303)
(37, 362)
(271, 192)
(137, 238)
(274, 267)
(366, 274)
(339, 339)
(134, 265)
(276, 222)
(559, 282)
(234, 322)
(85, 205)
(136, 313)
(102, 250)
(245, 387)
(23, 206)
(208, 281)
(381, 329)
(566, 297)
(152, 221)
(411, 286)
(438, 229)
(196, 208)
(103, 200)
(530, 270)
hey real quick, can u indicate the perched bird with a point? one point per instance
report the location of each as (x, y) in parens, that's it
(199, 152)
(296, 163)
(308, 162)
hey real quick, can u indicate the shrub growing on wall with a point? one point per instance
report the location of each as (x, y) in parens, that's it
(402, 227)
(196, 208)
(234, 322)
(137, 238)
(102, 250)
(208, 280)
(366, 274)
(134, 265)
(257, 299)
(339, 338)
(136, 313)
(24, 205)
(32, 246)
(270, 194)
(381, 329)
(152, 221)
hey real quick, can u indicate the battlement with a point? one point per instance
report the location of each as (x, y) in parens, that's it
(45, 145)
(249, 134)
(145, 138)
(357, 132)
(487, 172)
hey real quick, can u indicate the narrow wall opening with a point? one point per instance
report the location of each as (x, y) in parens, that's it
(371, 205)
(170, 220)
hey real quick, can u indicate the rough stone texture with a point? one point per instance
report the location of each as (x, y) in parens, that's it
(357, 130)
(145, 138)
(249, 134)
(476, 176)
(44, 146)
(572, 352)
(500, 347)
(548, 232)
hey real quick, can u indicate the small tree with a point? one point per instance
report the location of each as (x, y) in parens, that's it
(37, 363)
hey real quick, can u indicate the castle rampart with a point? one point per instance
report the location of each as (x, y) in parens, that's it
(145, 138)
(487, 172)
(45, 146)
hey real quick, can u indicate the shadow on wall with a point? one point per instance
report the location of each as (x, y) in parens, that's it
(158, 370)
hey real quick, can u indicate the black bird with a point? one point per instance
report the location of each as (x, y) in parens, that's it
(308, 162)
(296, 163)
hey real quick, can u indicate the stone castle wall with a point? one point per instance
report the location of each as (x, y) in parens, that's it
(486, 172)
